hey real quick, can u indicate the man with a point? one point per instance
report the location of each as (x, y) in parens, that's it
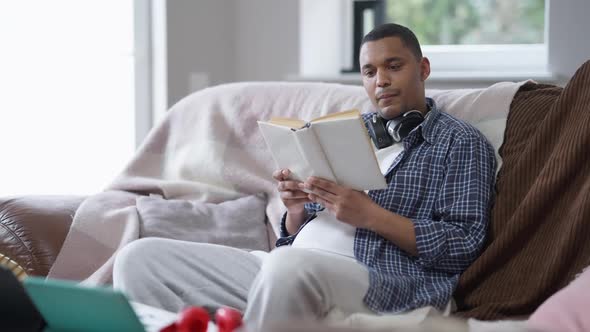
(341, 250)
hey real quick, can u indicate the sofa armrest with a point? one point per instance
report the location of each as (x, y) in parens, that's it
(33, 229)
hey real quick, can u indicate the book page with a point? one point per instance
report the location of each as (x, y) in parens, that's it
(338, 115)
(285, 150)
(288, 122)
(350, 153)
(298, 124)
(313, 153)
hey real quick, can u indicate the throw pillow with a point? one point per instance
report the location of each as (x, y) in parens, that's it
(238, 223)
(537, 237)
(566, 310)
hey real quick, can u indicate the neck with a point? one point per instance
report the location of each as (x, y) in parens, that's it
(423, 107)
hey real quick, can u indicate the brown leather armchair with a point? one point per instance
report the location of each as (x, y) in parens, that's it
(32, 231)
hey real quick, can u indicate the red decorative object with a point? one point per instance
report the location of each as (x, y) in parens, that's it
(191, 319)
(169, 328)
(228, 319)
(196, 319)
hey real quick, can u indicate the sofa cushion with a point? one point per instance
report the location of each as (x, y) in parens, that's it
(538, 236)
(485, 109)
(239, 223)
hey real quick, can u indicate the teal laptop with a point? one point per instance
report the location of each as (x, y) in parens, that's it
(68, 306)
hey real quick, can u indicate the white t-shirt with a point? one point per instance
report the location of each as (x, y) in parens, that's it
(326, 232)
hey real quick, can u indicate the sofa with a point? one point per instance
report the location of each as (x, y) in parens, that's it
(538, 235)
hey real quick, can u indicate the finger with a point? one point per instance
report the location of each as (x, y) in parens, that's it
(281, 174)
(317, 199)
(297, 201)
(285, 173)
(324, 184)
(293, 195)
(289, 185)
(277, 175)
(323, 194)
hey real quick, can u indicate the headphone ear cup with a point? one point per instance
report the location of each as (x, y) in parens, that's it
(393, 129)
(400, 127)
(378, 132)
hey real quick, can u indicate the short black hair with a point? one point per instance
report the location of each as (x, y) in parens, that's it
(395, 30)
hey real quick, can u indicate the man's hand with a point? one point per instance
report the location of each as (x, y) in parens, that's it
(356, 208)
(290, 191)
(348, 205)
(293, 198)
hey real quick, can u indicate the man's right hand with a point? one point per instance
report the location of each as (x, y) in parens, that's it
(293, 198)
(291, 194)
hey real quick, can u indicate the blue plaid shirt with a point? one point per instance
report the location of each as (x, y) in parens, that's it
(443, 181)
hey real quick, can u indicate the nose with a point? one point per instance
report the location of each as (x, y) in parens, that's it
(383, 79)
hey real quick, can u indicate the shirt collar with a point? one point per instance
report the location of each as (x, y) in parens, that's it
(426, 128)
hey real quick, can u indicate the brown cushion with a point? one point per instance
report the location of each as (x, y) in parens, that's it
(539, 231)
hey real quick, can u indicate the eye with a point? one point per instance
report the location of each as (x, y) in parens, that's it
(395, 67)
(369, 73)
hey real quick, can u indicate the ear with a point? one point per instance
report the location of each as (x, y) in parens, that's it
(424, 68)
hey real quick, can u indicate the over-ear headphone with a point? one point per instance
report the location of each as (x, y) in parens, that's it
(386, 132)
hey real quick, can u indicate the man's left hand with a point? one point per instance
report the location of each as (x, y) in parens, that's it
(348, 205)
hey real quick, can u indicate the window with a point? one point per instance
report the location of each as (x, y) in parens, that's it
(466, 35)
(67, 113)
(469, 22)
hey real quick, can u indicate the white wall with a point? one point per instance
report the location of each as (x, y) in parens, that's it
(201, 45)
(267, 42)
(321, 35)
(218, 41)
(569, 27)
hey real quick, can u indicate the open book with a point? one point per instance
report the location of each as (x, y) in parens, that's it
(335, 147)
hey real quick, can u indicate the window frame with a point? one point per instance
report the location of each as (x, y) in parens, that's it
(481, 58)
(151, 71)
(358, 8)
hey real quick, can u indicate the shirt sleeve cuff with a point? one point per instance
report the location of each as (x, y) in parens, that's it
(286, 238)
(430, 241)
(284, 232)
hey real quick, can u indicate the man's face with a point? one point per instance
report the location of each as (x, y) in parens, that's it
(393, 77)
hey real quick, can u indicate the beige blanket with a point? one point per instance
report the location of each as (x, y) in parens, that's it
(208, 149)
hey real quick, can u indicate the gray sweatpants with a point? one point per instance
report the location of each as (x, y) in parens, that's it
(285, 284)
